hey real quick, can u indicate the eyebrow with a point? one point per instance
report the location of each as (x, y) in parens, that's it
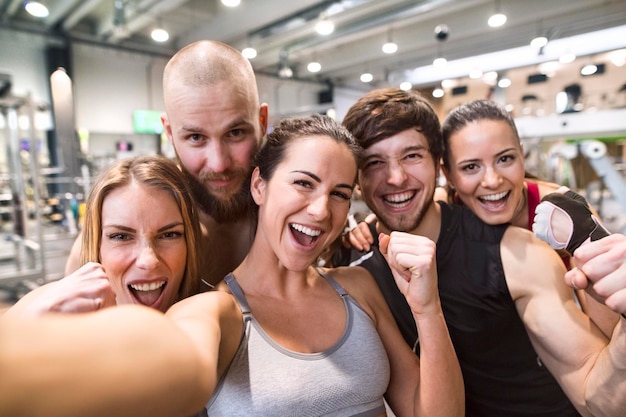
(404, 150)
(130, 229)
(234, 124)
(319, 180)
(472, 160)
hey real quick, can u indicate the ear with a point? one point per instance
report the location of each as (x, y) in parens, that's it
(263, 120)
(257, 186)
(446, 173)
(167, 128)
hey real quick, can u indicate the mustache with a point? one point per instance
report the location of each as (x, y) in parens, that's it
(222, 176)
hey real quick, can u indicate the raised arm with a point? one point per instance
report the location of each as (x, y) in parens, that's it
(412, 261)
(86, 289)
(569, 344)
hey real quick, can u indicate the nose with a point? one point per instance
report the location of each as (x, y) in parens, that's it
(218, 157)
(148, 257)
(318, 208)
(491, 179)
(396, 173)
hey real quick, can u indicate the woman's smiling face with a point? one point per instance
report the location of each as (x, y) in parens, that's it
(486, 168)
(143, 247)
(303, 206)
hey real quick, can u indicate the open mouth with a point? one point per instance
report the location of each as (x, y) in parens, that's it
(148, 293)
(399, 200)
(305, 236)
(494, 200)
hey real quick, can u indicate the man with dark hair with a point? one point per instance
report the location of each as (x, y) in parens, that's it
(524, 347)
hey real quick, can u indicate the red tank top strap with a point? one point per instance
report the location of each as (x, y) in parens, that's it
(532, 194)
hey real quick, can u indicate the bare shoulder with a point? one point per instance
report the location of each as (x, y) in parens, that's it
(353, 279)
(205, 304)
(361, 286)
(545, 187)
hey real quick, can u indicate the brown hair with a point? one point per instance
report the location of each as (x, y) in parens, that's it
(152, 171)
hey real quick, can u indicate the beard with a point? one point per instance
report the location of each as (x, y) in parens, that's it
(405, 223)
(237, 206)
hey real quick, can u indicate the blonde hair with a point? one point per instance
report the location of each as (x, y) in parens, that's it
(151, 171)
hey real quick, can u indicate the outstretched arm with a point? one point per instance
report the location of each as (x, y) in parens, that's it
(123, 361)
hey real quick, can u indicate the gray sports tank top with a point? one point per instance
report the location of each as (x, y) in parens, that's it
(265, 379)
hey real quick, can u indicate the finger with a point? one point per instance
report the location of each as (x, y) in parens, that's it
(575, 278)
(370, 218)
(80, 305)
(383, 244)
(617, 302)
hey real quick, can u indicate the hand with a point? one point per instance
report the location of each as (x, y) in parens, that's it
(358, 236)
(86, 289)
(412, 261)
(563, 220)
(601, 271)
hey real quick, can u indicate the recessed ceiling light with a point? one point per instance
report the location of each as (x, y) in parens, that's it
(160, 35)
(497, 20)
(34, 8)
(314, 67)
(324, 27)
(231, 3)
(366, 77)
(390, 48)
(539, 42)
(249, 53)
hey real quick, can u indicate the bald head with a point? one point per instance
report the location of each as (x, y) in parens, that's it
(206, 63)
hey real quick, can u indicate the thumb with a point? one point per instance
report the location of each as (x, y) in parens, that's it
(383, 243)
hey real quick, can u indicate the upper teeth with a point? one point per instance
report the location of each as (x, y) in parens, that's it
(400, 197)
(147, 286)
(494, 197)
(307, 231)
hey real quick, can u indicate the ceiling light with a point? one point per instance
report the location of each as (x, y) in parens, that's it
(497, 20)
(314, 67)
(366, 77)
(448, 84)
(438, 93)
(324, 27)
(34, 8)
(390, 48)
(440, 62)
(567, 58)
(490, 77)
(618, 57)
(231, 3)
(285, 72)
(539, 42)
(160, 35)
(405, 86)
(588, 69)
(476, 74)
(249, 53)
(504, 83)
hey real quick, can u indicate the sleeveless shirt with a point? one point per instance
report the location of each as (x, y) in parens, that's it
(502, 372)
(266, 379)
